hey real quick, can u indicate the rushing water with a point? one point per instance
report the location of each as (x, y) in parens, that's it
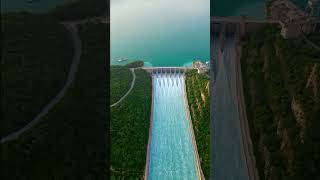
(160, 32)
(37, 6)
(228, 156)
(171, 153)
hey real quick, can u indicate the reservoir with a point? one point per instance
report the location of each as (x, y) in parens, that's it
(160, 32)
(250, 8)
(171, 151)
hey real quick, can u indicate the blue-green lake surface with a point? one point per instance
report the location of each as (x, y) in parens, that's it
(160, 32)
(171, 151)
(250, 8)
(37, 6)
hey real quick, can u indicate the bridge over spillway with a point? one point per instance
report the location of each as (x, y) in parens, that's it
(245, 25)
(153, 70)
(235, 26)
(242, 25)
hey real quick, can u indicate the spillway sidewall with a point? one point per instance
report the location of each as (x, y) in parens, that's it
(194, 143)
(146, 173)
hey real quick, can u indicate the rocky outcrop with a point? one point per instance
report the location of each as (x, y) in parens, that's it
(313, 81)
(300, 116)
(297, 111)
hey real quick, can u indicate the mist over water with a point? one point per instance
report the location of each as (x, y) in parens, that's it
(160, 32)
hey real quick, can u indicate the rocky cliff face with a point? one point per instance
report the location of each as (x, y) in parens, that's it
(314, 81)
(299, 115)
(282, 89)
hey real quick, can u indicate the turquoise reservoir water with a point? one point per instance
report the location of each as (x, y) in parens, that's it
(160, 32)
(250, 8)
(171, 153)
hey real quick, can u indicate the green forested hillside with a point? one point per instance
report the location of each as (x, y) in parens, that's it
(80, 9)
(36, 55)
(282, 84)
(198, 94)
(130, 121)
(120, 81)
(71, 142)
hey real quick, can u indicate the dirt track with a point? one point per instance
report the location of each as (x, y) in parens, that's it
(71, 76)
(131, 87)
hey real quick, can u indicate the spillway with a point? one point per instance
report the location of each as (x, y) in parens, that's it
(172, 155)
(226, 142)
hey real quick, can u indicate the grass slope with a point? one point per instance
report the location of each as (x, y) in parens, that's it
(130, 122)
(35, 58)
(71, 142)
(198, 99)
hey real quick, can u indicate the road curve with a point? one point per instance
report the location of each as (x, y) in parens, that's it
(71, 76)
(131, 87)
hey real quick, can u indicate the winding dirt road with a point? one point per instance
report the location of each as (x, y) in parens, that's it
(71, 26)
(71, 76)
(131, 87)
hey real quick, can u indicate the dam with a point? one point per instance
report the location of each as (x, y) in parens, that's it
(241, 25)
(172, 153)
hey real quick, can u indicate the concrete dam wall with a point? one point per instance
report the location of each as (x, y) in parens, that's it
(230, 25)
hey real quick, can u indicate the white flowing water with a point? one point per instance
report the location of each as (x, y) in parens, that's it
(171, 154)
(227, 152)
